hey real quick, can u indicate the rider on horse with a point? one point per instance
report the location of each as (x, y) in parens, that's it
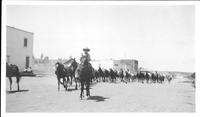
(85, 72)
(85, 56)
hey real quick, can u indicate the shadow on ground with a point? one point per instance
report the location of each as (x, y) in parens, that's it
(15, 91)
(98, 98)
(72, 89)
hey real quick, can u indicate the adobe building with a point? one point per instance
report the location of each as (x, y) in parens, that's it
(19, 47)
(126, 64)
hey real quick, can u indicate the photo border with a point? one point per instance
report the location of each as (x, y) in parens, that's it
(97, 114)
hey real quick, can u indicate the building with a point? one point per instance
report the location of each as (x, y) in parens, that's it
(105, 64)
(126, 64)
(19, 47)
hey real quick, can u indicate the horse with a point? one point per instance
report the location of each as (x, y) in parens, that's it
(66, 70)
(127, 76)
(85, 76)
(101, 74)
(116, 73)
(106, 74)
(13, 71)
(74, 67)
(161, 78)
(61, 74)
(97, 75)
(112, 75)
(147, 76)
(121, 75)
(169, 78)
(71, 69)
(133, 77)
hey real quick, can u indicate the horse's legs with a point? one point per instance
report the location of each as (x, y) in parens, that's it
(97, 79)
(71, 80)
(10, 80)
(82, 88)
(76, 83)
(65, 84)
(91, 80)
(87, 88)
(58, 84)
(18, 78)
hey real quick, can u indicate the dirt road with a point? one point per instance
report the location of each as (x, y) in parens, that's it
(40, 94)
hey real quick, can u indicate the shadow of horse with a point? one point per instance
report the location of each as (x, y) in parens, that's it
(93, 84)
(98, 98)
(71, 89)
(15, 91)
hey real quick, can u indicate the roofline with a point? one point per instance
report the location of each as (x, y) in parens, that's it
(20, 29)
(126, 60)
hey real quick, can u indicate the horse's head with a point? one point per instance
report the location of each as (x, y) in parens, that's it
(59, 66)
(74, 63)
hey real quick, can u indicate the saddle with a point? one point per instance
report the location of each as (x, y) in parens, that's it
(85, 67)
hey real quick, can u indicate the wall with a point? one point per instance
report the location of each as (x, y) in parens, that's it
(126, 64)
(105, 64)
(15, 46)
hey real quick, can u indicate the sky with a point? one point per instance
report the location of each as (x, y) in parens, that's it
(159, 37)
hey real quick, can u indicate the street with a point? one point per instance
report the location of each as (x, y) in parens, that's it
(40, 94)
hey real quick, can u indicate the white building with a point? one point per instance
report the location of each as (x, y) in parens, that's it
(19, 47)
(105, 64)
(126, 64)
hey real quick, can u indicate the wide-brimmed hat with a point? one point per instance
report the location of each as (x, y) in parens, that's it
(86, 49)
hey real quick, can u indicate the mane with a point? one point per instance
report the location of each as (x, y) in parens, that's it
(69, 61)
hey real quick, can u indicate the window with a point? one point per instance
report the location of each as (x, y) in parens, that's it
(25, 42)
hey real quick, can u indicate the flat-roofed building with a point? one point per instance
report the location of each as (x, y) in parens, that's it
(19, 47)
(126, 64)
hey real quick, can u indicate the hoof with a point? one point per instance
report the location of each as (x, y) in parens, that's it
(87, 97)
(81, 97)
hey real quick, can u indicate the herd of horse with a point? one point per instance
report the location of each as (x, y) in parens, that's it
(83, 75)
(71, 70)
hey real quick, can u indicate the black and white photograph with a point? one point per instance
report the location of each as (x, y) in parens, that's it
(99, 58)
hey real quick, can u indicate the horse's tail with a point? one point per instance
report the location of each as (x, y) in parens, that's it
(17, 73)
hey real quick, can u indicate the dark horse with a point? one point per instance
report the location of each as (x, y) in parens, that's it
(73, 67)
(61, 73)
(113, 75)
(13, 71)
(85, 76)
(101, 74)
(71, 70)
